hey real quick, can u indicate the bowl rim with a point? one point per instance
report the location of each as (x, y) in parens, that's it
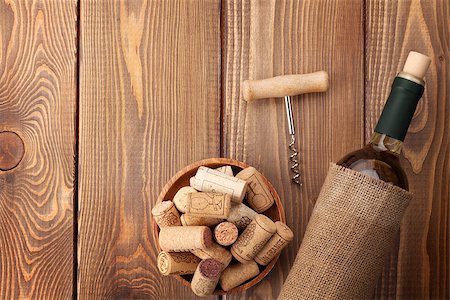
(221, 162)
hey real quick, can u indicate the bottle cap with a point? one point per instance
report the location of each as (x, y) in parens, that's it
(405, 94)
(417, 64)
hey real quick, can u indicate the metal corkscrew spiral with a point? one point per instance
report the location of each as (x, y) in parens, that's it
(293, 157)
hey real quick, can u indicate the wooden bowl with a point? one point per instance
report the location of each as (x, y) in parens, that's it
(181, 179)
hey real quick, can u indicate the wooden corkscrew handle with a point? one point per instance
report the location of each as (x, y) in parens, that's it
(285, 85)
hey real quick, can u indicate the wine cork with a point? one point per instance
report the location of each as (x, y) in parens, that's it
(209, 205)
(177, 263)
(209, 180)
(259, 196)
(276, 243)
(241, 215)
(237, 274)
(206, 277)
(254, 237)
(416, 64)
(216, 252)
(225, 233)
(226, 170)
(184, 238)
(188, 220)
(180, 198)
(166, 214)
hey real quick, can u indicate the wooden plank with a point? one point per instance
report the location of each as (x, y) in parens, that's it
(149, 105)
(268, 38)
(393, 28)
(37, 102)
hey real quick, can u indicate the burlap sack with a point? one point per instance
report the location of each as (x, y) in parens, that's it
(348, 238)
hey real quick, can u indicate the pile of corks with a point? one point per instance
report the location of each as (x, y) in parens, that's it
(208, 231)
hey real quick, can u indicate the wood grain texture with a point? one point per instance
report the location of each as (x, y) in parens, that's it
(37, 101)
(393, 28)
(268, 38)
(149, 105)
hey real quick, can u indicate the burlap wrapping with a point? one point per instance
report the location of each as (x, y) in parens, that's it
(348, 238)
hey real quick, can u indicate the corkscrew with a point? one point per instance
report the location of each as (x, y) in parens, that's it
(293, 156)
(286, 86)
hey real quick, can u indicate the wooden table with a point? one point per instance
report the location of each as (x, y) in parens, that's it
(111, 98)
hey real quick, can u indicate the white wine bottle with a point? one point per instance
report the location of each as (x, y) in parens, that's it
(380, 157)
(356, 219)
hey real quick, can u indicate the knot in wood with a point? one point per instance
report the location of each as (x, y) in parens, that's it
(11, 150)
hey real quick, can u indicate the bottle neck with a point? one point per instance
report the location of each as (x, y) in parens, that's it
(382, 142)
(397, 114)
